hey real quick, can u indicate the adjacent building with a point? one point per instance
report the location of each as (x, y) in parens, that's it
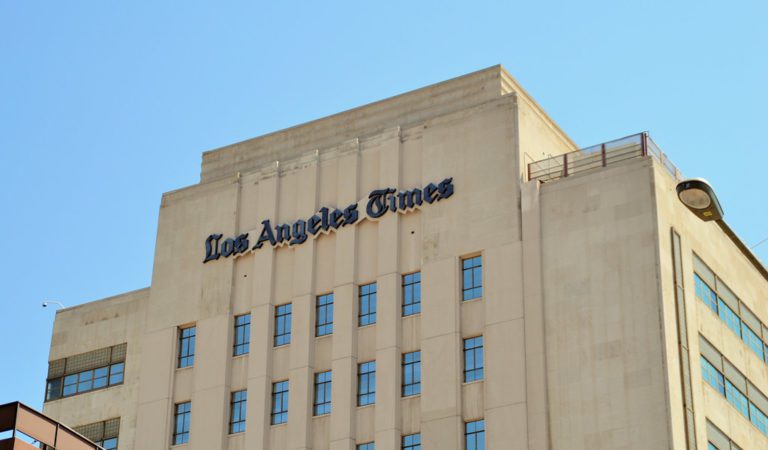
(443, 269)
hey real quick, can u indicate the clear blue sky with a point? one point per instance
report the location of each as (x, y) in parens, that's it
(106, 105)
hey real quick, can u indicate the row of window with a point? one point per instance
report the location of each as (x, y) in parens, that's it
(472, 288)
(736, 316)
(474, 431)
(722, 376)
(717, 440)
(85, 381)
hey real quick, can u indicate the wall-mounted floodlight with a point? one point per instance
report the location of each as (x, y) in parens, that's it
(700, 198)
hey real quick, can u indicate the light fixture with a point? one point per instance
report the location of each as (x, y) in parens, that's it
(700, 198)
(49, 302)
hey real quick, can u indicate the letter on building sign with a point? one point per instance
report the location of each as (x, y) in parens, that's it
(212, 248)
(266, 235)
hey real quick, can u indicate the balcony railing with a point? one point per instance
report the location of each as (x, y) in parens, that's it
(635, 146)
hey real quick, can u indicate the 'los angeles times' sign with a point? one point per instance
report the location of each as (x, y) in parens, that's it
(379, 202)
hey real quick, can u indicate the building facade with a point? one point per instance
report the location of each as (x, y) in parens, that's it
(443, 269)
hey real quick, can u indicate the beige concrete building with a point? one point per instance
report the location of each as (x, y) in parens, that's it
(443, 270)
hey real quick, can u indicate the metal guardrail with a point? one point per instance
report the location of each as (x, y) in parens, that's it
(601, 155)
(23, 421)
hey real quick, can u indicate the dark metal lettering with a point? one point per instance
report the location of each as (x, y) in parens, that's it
(337, 216)
(228, 247)
(429, 193)
(445, 188)
(241, 243)
(410, 199)
(212, 248)
(377, 205)
(282, 233)
(313, 224)
(299, 232)
(350, 215)
(266, 235)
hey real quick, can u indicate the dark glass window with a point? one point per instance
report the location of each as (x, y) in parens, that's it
(473, 359)
(412, 442)
(712, 376)
(474, 435)
(366, 383)
(472, 278)
(279, 402)
(181, 423)
(367, 305)
(705, 293)
(283, 324)
(85, 381)
(411, 373)
(186, 347)
(366, 446)
(322, 393)
(237, 412)
(324, 315)
(411, 294)
(242, 335)
(108, 444)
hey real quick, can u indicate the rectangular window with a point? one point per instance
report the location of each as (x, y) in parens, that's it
(474, 435)
(411, 442)
(366, 446)
(411, 373)
(108, 444)
(411, 294)
(366, 383)
(473, 359)
(729, 317)
(736, 398)
(282, 325)
(711, 446)
(242, 335)
(367, 305)
(758, 418)
(472, 278)
(322, 393)
(752, 340)
(324, 315)
(237, 412)
(279, 402)
(712, 376)
(85, 381)
(181, 423)
(186, 347)
(705, 293)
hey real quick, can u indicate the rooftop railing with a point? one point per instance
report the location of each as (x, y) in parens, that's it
(635, 146)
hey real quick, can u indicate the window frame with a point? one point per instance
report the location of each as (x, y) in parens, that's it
(238, 411)
(366, 383)
(241, 340)
(323, 392)
(324, 310)
(474, 434)
(411, 371)
(370, 299)
(404, 445)
(282, 323)
(475, 272)
(278, 417)
(180, 437)
(184, 360)
(475, 370)
(411, 286)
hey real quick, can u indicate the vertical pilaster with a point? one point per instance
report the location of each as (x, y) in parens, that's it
(303, 337)
(344, 352)
(260, 359)
(389, 326)
(533, 304)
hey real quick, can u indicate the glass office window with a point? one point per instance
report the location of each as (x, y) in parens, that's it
(242, 339)
(322, 393)
(238, 408)
(411, 294)
(712, 376)
(108, 444)
(279, 402)
(282, 324)
(472, 278)
(705, 294)
(366, 446)
(366, 383)
(411, 373)
(729, 317)
(474, 435)
(473, 359)
(186, 347)
(324, 315)
(181, 423)
(752, 340)
(85, 381)
(736, 398)
(367, 305)
(411, 442)
(758, 418)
